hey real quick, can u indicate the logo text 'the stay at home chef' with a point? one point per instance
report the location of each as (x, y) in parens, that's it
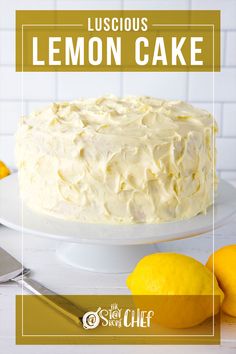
(117, 317)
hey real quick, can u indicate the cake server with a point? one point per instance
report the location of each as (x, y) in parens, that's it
(12, 270)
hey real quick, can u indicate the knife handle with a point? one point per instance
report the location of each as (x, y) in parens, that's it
(59, 302)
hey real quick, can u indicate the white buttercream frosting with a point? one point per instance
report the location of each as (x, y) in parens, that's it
(111, 160)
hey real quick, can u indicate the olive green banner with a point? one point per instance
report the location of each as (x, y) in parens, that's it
(118, 319)
(117, 40)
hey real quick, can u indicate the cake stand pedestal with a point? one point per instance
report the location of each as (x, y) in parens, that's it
(108, 248)
(104, 258)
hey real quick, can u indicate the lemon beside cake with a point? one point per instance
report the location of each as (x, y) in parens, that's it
(118, 161)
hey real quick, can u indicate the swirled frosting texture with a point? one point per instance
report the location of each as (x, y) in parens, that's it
(110, 160)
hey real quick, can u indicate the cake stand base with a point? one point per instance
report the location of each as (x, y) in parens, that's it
(104, 258)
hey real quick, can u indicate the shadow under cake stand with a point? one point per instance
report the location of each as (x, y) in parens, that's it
(108, 248)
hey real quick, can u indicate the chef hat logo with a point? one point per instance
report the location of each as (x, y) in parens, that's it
(91, 319)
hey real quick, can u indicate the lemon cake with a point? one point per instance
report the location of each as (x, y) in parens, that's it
(112, 160)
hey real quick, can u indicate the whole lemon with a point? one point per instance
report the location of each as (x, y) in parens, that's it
(225, 272)
(180, 276)
(4, 170)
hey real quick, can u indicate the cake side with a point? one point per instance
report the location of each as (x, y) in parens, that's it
(110, 160)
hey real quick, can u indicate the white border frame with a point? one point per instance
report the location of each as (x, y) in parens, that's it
(213, 221)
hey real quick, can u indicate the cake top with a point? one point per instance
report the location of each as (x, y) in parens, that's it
(137, 117)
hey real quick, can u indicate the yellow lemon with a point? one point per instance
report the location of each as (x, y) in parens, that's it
(225, 272)
(181, 277)
(4, 170)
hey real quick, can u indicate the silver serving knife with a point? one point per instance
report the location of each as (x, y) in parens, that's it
(12, 270)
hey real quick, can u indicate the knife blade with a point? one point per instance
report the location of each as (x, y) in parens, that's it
(9, 266)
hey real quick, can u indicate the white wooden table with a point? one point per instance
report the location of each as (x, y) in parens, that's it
(40, 256)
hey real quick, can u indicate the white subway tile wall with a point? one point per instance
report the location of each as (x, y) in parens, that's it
(10, 111)
(156, 4)
(72, 85)
(227, 7)
(7, 45)
(230, 53)
(8, 8)
(88, 4)
(39, 89)
(165, 84)
(229, 118)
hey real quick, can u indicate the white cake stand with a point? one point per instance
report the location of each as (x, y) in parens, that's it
(108, 248)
